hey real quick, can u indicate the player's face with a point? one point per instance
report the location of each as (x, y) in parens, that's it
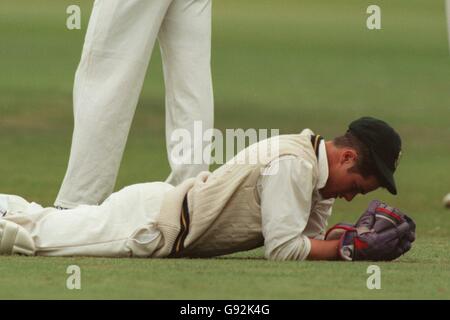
(344, 183)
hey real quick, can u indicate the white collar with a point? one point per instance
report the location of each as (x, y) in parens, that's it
(322, 161)
(323, 166)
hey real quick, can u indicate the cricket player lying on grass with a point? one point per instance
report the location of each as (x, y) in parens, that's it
(282, 202)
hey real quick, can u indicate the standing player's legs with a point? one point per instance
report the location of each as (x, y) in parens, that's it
(185, 40)
(119, 41)
(122, 226)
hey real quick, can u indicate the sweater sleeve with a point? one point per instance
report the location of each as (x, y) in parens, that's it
(318, 221)
(285, 190)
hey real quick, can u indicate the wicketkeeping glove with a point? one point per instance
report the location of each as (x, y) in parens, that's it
(381, 233)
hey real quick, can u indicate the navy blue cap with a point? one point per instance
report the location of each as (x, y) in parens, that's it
(384, 145)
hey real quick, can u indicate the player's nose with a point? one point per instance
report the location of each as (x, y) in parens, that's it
(349, 196)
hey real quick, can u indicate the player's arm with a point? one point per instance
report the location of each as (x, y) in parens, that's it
(317, 223)
(286, 192)
(318, 219)
(324, 250)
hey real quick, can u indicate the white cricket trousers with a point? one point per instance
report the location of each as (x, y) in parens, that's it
(117, 49)
(122, 226)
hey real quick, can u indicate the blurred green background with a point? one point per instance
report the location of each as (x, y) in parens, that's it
(276, 64)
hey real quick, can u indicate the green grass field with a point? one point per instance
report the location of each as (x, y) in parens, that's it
(287, 65)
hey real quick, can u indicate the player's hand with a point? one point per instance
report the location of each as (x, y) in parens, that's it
(381, 233)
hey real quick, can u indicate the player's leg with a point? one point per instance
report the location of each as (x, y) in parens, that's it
(118, 44)
(14, 238)
(12, 203)
(122, 226)
(185, 40)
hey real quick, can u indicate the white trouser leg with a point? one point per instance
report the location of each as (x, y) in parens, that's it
(122, 226)
(185, 41)
(118, 44)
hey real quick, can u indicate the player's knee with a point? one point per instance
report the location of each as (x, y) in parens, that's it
(14, 239)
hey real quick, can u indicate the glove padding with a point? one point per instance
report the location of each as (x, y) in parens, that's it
(381, 233)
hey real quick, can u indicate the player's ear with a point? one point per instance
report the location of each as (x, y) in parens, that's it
(348, 156)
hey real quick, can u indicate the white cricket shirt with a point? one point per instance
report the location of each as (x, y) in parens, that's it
(289, 217)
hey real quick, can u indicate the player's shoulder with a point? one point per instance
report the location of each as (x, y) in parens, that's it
(303, 137)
